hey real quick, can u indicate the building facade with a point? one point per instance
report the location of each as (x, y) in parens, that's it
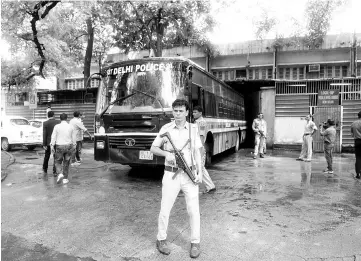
(284, 80)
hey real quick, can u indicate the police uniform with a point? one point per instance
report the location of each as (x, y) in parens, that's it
(259, 125)
(306, 151)
(172, 183)
(206, 179)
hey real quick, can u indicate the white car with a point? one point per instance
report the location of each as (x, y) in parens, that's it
(17, 131)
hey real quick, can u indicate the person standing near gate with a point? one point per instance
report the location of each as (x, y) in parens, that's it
(356, 134)
(201, 123)
(48, 127)
(309, 130)
(259, 127)
(64, 138)
(185, 138)
(329, 138)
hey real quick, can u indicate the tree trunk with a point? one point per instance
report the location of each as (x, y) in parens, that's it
(89, 50)
(159, 47)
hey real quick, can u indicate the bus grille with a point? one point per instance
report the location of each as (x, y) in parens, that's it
(131, 142)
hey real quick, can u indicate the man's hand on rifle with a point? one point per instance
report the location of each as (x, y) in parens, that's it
(170, 158)
(198, 177)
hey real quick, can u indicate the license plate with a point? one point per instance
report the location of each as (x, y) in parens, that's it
(145, 155)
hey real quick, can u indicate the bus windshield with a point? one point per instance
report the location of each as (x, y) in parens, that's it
(150, 90)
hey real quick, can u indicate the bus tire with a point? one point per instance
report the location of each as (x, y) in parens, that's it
(209, 153)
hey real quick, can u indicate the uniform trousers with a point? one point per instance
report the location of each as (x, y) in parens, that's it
(358, 156)
(306, 152)
(171, 185)
(259, 144)
(206, 179)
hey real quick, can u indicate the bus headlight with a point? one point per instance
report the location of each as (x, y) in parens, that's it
(100, 144)
(101, 130)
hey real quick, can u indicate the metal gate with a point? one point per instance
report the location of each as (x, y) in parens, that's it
(321, 115)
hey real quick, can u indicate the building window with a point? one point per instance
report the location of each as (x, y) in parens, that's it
(263, 73)
(250, 74)
(214, 73)
(269, 73)
(301, 74)
(256, 74)
(226, 76)
(241, 74)
(294, 73)
(220, 75)
(280, 73)
(288, 72)
(344, 71)
(358, 70)
(337, 71)
(322, 71)
(94, 83)
(329, 71)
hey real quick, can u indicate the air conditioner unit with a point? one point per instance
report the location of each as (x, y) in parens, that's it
(314, 68)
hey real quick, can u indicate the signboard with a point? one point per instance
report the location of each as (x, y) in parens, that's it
(314, 68)
(33, 100)
(328, 98)
(146, 67)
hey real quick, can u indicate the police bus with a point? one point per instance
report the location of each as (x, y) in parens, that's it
(134, 101)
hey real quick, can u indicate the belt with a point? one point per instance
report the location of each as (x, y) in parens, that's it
(174, 169)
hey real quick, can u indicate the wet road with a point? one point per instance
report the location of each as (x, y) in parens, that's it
(274, 208)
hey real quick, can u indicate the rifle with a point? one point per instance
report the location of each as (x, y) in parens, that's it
(179, 158)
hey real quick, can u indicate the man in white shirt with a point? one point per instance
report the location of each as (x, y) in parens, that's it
(79, 128)
(63, 137)
(186, 138)
(310, 128)
(201, 123)
(259, 127)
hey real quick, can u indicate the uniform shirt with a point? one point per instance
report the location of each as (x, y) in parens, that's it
(356, 129)
(329, 135)
(79, 127)
(309, 127)
(259, 125)
(179, 136)
(201, 123)
(63, 134)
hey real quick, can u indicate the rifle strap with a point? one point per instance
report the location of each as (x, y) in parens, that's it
(190, 142)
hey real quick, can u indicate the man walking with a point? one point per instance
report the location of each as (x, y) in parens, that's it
(329, 137)
(79, 128)
(186, 138)
(310, 128)
(201, 123)
(64, 138)
(259, 127)
(48, 127)
(356, 134)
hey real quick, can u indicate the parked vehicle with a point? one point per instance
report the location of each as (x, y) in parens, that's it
(17, 131)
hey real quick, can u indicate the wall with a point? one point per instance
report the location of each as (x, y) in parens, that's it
(268, 109)
(289, 130)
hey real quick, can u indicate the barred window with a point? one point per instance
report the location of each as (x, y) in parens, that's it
(269, 73)
(256, 74)
(250, 74)
(344, 71)
(322, 71)
(337, 71)
(280, 73)
(294, 73)
(329, 72)
(263, 73)
(288, 73)
(226, 75)
(241, 73)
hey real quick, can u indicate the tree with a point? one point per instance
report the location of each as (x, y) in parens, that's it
(155, 25)
(319, 15)
(28, 15)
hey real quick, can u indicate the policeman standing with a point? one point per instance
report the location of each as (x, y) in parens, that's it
(201, 123)
(259, 127)
(186, 138)
(356, 134)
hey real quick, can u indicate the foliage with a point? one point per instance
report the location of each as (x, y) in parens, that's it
(155, 25)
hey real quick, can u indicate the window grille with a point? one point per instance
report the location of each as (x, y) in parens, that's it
(288, 73)
(337, 71)
(323, 72)
(294, 73)
(263, 73)
(301, 74)
(256, 74)
(329, 72)
(226, 75)
(241, 73)
(280, 73)
(269, 73)
(250, 72)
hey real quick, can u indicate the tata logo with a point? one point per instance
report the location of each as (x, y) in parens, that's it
(129, 142)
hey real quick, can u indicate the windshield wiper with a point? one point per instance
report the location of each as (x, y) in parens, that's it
(155, 98)
(116, 100)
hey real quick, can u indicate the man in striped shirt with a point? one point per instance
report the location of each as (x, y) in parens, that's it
(356, 134)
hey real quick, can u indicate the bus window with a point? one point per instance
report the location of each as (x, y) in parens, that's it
(210, 104)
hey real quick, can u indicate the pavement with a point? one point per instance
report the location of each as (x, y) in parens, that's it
(268, 209)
